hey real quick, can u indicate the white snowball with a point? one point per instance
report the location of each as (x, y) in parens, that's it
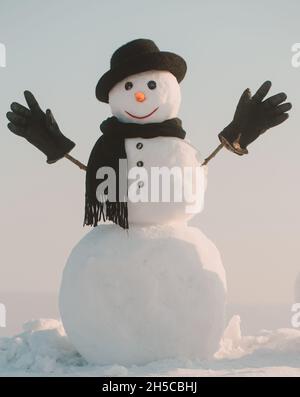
(171, 154)
(165, 98)
(147, 294)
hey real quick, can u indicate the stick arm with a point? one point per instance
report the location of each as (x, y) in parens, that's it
(76, 162)
(213, 154)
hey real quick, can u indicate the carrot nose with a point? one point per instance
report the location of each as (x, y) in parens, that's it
(140, 96)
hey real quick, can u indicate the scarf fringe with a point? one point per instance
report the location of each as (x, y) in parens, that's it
(116, 212)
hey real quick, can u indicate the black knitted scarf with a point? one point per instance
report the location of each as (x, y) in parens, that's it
(107, 152)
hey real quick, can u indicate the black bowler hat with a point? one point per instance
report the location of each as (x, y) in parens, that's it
(135, 57)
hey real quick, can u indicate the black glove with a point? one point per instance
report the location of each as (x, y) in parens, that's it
(39, 128)
(253, 117)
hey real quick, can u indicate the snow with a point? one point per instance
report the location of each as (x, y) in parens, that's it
(147, 294)
(43, 349)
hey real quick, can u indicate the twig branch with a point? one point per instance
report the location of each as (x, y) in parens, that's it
(76, 162)
(213, 154)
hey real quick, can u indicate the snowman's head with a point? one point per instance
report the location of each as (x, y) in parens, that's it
(147, 97)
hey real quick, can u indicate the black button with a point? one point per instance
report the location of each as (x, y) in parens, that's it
(140, 184)
(140, 164)
(139, 145)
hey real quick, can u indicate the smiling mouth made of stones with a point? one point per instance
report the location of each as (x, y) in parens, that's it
(141, 117)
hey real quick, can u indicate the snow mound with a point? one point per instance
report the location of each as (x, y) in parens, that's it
(43, 349)
(269, 348)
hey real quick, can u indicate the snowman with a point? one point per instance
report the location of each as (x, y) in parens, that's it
(143, 285)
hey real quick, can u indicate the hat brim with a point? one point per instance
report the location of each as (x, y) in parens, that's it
(163, 60)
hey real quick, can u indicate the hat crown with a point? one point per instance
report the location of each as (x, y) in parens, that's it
(132, 49)
(135, 57)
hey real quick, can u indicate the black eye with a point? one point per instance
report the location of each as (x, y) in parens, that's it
(128, 85)
(151, 84)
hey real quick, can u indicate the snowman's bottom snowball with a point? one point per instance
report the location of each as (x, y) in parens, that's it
(147, 294)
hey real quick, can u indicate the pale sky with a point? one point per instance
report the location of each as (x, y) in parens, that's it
(59, 49)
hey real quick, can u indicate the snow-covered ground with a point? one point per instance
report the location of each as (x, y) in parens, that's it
(43, 349)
